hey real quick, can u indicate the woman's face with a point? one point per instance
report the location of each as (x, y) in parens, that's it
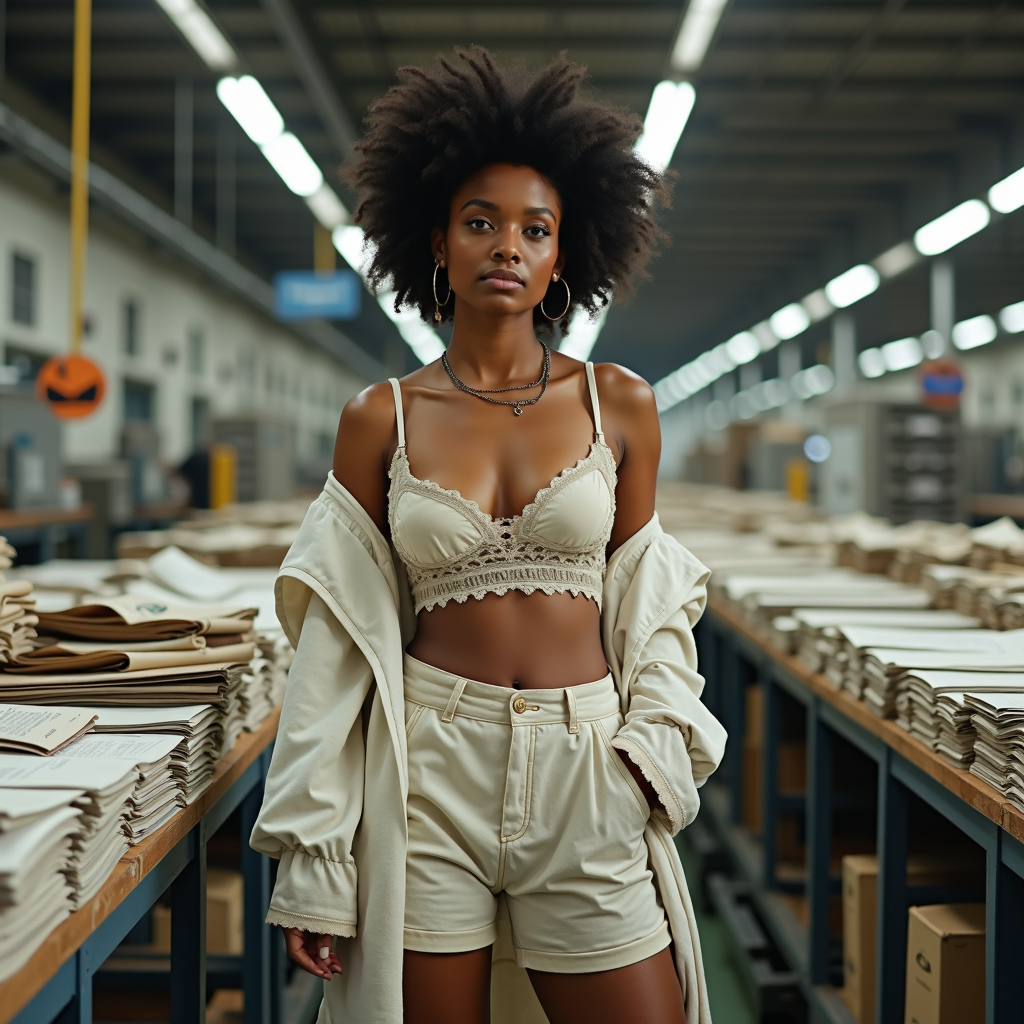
(501, 246)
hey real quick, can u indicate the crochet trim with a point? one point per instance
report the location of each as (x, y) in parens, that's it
(508, 556)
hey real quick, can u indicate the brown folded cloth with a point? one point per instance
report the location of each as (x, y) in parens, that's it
(59, 660)
(96, 622)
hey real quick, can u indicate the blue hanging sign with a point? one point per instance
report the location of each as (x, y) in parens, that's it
(305, 294)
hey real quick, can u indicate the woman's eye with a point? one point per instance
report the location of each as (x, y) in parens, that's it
(537, 231)
(478, 223)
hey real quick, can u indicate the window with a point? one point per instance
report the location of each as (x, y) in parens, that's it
(196, 351)
(130, 327)
(138, 402)
(200, 423)
(28, 364)
(23, 289)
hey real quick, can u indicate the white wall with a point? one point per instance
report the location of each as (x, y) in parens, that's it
(251, 362)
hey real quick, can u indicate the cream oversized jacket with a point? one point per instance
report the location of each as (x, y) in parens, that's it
(334, 809)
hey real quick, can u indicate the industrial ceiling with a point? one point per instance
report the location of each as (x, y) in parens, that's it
(824, 132)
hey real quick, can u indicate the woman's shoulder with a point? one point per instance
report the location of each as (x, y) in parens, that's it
(624, 392)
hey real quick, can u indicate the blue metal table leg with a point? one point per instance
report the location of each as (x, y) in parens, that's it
(256, 962)
(891, 958)
(79, 1009)
(733, 717)
(819, 840)
(188, 935)
(769, 777)
(1004, 937)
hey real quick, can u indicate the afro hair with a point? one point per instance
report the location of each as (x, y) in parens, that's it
(438, 127)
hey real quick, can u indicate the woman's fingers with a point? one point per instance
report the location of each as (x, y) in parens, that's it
(324, 955)
(298, 943)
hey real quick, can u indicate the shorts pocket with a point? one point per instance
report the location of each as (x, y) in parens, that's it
(624, 773)
(413, 713)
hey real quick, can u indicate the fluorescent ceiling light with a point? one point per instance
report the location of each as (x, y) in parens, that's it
(695, 34)
(743, 347)
(716, 415)
(671, 103)
(979, 330)
(815, 380)
(251, 107)
(766, 337)
(328, 209)
(203, 36)
(1012, 318)
(902, 354)
(583, 332)
(789, 321)
(817, 305)
(724, 356)
(952, 228)
(871, 363)
(1008, 195)
(897, 259)
(423, 340)
(857, 283)
(296, 167)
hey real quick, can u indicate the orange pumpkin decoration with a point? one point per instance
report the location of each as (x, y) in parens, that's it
(73, 386)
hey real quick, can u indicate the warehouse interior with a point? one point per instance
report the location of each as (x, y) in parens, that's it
(834, 334)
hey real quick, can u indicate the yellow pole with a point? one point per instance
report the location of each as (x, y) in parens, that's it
(80, 164)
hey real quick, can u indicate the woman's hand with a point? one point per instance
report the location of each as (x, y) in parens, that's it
(308, 950)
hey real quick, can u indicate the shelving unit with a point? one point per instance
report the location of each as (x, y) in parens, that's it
(735, 656)
(57, 982)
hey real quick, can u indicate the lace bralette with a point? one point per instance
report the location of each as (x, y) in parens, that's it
(452, 550)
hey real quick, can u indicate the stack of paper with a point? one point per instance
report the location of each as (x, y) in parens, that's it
(31, 729)
(99, 840)
(199, 729)
(998, 720)
(17, 611)
(36, 833)
(933, 706)
(159, 792)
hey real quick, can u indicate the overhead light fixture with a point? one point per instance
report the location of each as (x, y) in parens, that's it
(202, 34)
(817, 305)
(667, 114)
(695, 34)
(251, 107)
(815, 380)
(977, 331)
(766, 337)
(743, 347)
(952, 228)
(583, 332)
(1011, 318)
(871, 363)
(328, 209)
(789, 321)
(427, 346)
(1008, 195)
(902, 354)
(296, 167)
(857, 283)
(897, 259)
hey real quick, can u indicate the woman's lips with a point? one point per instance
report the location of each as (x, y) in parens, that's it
(503, 284)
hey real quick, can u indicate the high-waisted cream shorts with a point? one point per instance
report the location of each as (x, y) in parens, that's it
(519, 792)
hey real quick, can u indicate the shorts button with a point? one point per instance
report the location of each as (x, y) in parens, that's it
(519, 705)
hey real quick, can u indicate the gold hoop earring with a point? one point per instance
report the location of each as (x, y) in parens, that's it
(568, 299)
(437, 302)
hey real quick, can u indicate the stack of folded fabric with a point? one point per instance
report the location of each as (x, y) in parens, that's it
(198, 728)
(17, 610)
(998, 721)
(99, 841)
(128, 650)
(933, 707)
(158, 793)
(36, 831)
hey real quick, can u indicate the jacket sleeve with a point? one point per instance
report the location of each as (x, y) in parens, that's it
(668, 732)
(314, 792)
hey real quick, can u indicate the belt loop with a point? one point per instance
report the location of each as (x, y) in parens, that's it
(570, 699)
(453, 701)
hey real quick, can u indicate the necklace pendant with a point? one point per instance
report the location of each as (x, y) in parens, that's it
(517, 409)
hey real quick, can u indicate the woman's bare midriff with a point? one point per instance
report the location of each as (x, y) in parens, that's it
(528, 641)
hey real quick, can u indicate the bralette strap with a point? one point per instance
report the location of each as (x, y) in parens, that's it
(596, 405)
(399, 411)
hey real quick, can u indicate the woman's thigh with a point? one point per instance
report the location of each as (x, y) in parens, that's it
(447, 988)
(647, 991)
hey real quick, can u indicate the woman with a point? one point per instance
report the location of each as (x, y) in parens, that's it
(523, 813)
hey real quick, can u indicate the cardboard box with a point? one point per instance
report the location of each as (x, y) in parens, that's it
(946, 964)
(860, 914)
(224, 903)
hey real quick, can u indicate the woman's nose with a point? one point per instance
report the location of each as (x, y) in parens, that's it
(506, 252)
